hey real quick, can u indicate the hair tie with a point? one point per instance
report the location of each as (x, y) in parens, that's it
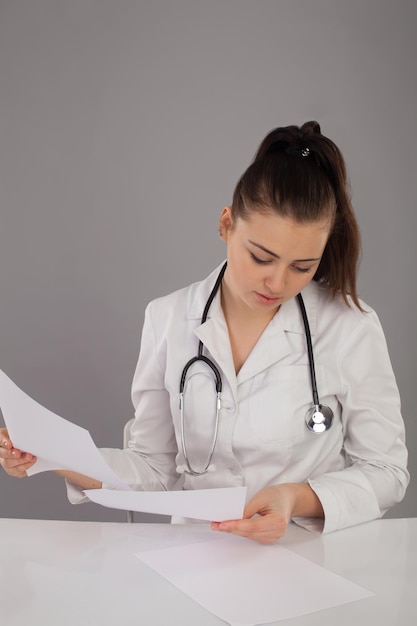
(300, 152)
(285, 146)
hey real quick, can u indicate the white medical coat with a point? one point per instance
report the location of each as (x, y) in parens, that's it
(357, 468)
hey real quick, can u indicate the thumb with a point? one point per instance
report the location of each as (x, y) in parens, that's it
(253, 506)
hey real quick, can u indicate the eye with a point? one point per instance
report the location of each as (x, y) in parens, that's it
(258, 260)
(302, 270)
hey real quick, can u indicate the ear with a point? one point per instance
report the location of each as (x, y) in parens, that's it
(225, 222)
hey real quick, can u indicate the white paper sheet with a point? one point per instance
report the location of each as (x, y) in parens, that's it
(56, 442)
(206, 504)
(245, 583)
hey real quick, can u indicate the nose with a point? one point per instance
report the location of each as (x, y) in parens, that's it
(276, 280)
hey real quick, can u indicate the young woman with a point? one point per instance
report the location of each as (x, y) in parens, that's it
(293, 397)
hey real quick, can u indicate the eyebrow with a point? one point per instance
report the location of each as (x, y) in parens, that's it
(258, 245)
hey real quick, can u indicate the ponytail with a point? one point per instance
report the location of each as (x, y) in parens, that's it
(300, 174)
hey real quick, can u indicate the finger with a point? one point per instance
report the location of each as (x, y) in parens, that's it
(13, 464)
(18, 468)
(264, 529)
(11, 453)
(16, 461)
(260, 502)
(252, 507)
(243, 525)
(20, 471)
(5, 441)
(266, 536)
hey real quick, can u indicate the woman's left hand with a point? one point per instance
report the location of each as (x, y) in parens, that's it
(273, 507)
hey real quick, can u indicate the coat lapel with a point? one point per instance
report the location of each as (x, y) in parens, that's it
(273, 345)
(215, 338)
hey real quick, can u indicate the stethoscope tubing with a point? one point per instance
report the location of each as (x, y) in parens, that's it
(316, 401)
(318, 418)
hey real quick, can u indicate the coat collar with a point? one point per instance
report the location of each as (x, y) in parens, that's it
(272, 346)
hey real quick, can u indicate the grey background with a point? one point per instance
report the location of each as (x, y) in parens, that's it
(124, 126)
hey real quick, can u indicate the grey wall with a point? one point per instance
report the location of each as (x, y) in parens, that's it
(124, 126)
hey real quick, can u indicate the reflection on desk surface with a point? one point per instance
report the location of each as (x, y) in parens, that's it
(67, 573)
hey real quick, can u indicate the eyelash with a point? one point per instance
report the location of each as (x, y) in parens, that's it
(259, 261)
(302, 270)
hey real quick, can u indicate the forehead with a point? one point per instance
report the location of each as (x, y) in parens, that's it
(264, 221)
(284, 236)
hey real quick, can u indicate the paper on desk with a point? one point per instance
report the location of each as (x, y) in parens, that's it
(56, 442)
(204, 504)
(245, 583)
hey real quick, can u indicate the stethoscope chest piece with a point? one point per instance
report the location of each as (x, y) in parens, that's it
(319, 418)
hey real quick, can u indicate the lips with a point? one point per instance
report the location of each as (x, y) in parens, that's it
(267, 299)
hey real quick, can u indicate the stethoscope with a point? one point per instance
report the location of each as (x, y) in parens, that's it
(318, 418)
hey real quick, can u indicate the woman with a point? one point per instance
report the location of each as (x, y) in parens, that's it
(290, 230)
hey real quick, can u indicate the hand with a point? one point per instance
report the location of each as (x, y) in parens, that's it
(14, 462)
(273, 506)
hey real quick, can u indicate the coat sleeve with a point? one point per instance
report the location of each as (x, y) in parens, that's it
(376, 475)
(148, 464)
(149, 461)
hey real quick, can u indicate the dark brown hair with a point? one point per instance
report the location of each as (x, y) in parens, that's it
(299, 173)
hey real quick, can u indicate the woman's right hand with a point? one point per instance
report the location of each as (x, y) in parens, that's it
(13, 461)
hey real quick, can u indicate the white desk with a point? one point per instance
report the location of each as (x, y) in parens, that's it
(55, 573)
